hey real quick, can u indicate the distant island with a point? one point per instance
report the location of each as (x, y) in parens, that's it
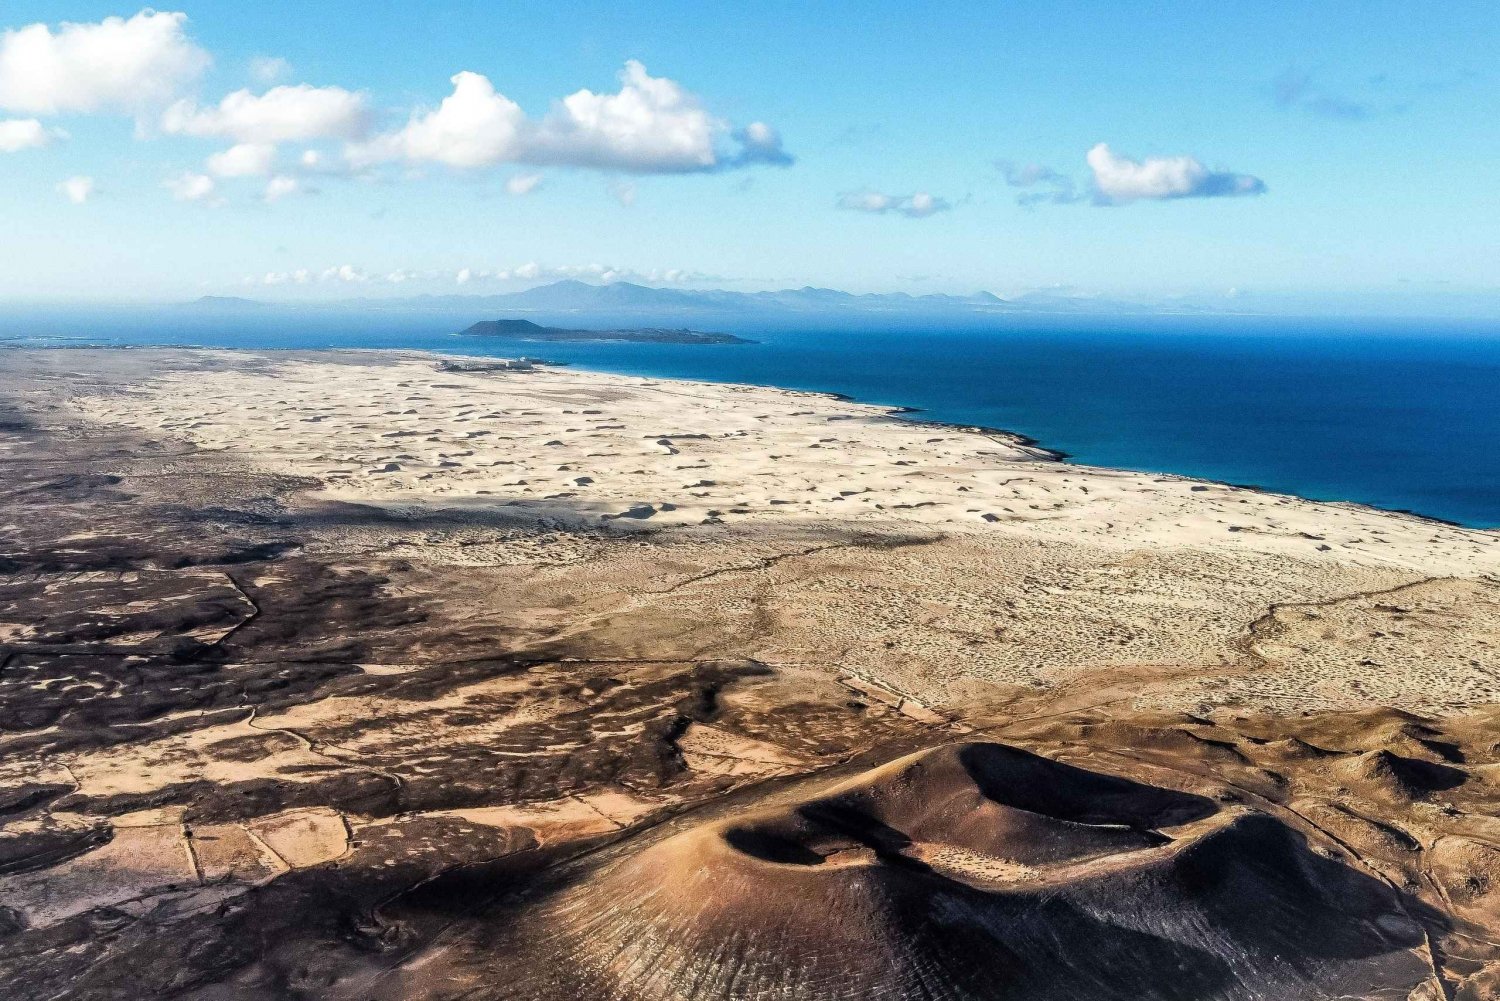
(526, 330)
(225, 302)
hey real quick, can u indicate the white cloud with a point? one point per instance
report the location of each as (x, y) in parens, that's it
(605, 274)
(269, 69)
(344, 273)
(77, 189)
(299, 277)
(473, 127)
(651, 125)
(116, 64)
(190, 187)
(914, 206)
(281, 186)
(316, 161)
(1119, 179)
(922, 204)
(523, 184)
(529, 273)
(244, 160)
(760, 143)
(282, 114)
(866, 201)
(17, 134)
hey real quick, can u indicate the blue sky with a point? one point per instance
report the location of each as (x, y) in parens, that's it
(1342, 149)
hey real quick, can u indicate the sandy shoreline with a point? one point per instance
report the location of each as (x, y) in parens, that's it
(1025, 445)
(897, 411)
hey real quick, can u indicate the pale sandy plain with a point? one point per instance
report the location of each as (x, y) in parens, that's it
(370, 675)
(999, 565)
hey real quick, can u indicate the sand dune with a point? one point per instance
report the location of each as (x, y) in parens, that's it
(588, 448)
(937, 557)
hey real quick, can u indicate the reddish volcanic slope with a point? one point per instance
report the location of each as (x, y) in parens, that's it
(974, 871)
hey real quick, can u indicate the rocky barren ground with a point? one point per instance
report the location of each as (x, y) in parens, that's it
(276, 721)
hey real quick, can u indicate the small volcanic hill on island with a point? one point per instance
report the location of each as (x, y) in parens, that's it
(529, 331)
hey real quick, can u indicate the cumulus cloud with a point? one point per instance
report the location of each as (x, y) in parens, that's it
(1120, 179)
(528, 273)
(760, 143)
(77, 189)
(118, 64)
(1117, 180)
(282, 186)
(301, 276)
(914, 206)
(474, 127)
(17, 134)
(190, 187)
(260, 123)
(243, 160)
(346, 274)
(603, 274)
(523, 184)
(300, 113)
(650, 125)
(315, 161)
(652, 276)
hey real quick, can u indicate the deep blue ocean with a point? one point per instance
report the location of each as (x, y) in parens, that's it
(1397, 414)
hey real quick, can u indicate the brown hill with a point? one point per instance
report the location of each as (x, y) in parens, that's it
(973, 871)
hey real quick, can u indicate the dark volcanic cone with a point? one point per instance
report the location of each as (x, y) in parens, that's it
(972, 871)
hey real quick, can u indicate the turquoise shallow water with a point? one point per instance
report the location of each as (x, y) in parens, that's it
(1402, 415)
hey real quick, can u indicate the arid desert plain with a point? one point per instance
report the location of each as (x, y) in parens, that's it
(389, 676)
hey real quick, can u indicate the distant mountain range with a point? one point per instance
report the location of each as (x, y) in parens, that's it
(624, 305)
(227, 302)
(628, 297)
